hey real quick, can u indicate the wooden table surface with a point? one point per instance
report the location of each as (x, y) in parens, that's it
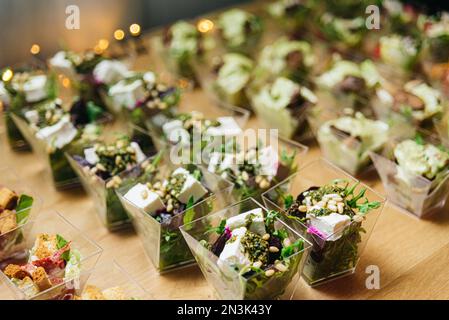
(412, 254)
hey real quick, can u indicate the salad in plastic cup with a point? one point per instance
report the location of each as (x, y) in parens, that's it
(334, 211)
(247, 252)
(160, 197)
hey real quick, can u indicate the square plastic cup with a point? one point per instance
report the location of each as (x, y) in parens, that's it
(56, 163)
(108, 207)
(290, 156)
(9, 239)
(348, 153)
(414, 193)
(227, 282)
(162, 241)
(13, 135)
(329, 259)
(51, 223)
(110, 274)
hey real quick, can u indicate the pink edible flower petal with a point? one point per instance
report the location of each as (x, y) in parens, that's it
(315, 231)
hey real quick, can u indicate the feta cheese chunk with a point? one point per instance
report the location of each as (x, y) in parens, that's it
(34, 88)
(233, 254)
(61, 64)
(331, 225)
(110, 71)
(175, 132)
(4, 96)
(145, 199)
(191, 187)
(254, 216)
(91, 156)
(32, 116)
(125, 94)
(140, 156)
(268, 159)
(217, 163)
(228, 127)
(59, 134)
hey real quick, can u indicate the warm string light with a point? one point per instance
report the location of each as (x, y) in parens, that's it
(35, 49)
(134, 29)
(205, 25)
(101, 46)
(7, 75)
(119, 34)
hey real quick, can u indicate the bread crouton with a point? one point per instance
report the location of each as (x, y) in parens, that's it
(8, 199)
(8, 221)
(92, 293)
(28, 287)
(41, 279)
(115, 293)
(45, 245)
(14, 271)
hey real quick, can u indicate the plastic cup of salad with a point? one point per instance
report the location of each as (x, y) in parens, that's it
(415, 173)
(414, 101)
(291, 16)
(189, 132)
(253, 164)
(239, 30)
(247, 252)
(18, 205)
(160, 197)
(99, 165)
(24, 89)
(110, 280)
(345, 84)
(225, 77)
(140, 95)
(51, 260)
(334, 211)
(346, 140)
(281, 104)
(179, 46)
(52, 131)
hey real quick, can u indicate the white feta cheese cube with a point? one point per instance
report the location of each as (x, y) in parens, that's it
(61, 64)
(269, 161)
(124, 94)
(150, 78)
(139, 153)
(91, 156)
(34, 88)
(331, 225)
(32, 116)
(191, 187)
(4, 96)
(233, 254)
(228, 127)
(59, 134)
(257, 222)
(110, 71)
(214, 161)
(144, 199)
(175, 132)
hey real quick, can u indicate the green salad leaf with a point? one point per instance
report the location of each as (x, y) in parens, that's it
(297, 246)
(61, 242)
(23, 208)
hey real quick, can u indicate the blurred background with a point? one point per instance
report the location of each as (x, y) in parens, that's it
(27, 22)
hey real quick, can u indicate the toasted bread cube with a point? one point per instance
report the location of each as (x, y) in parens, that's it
(8, 199)
(8, 221)
(92, 293)
(28, 287)
(45, 245)
(40, 279)
(115, 293)
(14, 271)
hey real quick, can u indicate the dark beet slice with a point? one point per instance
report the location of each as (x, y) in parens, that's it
(78, 113)
(219, 244)
(274, 242)
(301, 196)
(82, 162)
(352, 84)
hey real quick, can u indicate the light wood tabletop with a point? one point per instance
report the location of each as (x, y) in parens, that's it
(412, 254)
